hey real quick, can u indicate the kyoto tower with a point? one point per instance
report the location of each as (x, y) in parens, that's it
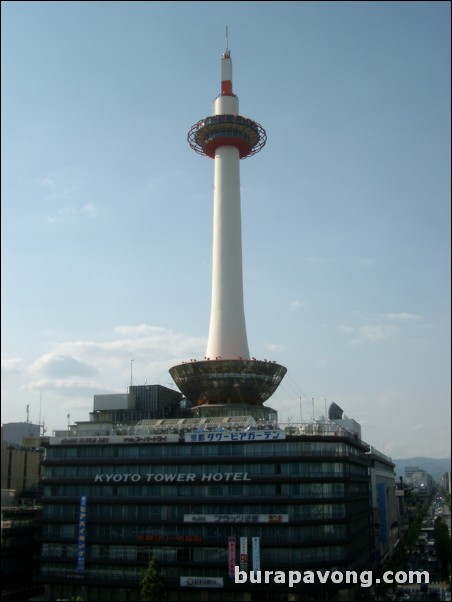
(227, 381)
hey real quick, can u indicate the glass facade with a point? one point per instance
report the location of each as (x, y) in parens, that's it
(307, 499)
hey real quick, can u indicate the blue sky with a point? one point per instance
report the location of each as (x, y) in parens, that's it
(107, 212)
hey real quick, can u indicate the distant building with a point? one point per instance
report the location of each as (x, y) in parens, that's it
(142, 402)
(336, 414)
(446, 482)
(420, 481)
(21, 455)
(401, 505)
(21, 464)
(14, 432)
(19, 552)
(384, 506)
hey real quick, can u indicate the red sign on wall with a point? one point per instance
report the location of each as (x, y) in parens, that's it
(231, 556)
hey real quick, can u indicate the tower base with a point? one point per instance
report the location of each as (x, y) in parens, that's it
(263, 415)
(227, 382)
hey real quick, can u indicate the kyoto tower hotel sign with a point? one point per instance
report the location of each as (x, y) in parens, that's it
(227, 375)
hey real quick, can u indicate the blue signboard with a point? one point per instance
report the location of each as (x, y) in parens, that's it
(81, 536)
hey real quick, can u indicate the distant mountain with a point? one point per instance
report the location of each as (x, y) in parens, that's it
(434, 466)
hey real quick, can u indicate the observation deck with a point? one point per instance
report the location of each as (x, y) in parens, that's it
(228, 381)
(208, 134)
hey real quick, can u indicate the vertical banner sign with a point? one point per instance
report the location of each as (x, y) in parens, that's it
(81, 536)
(244, 553)
(231, 556)
(256, 554)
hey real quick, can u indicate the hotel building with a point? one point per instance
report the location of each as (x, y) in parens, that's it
(203, 496)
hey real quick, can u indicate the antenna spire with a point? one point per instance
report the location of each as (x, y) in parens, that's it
(131, 379)
(227, 39)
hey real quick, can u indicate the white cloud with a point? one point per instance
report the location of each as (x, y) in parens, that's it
(296, 305)
(90, 210)
(67, 386)
(76, 367)
(13, 365)
(417, 427)
(68, 375)
(376, 328)
(377, 332)
(55, 365)
(65, 190)
(141, 330)
(47, 183)
(401, 317)
(274, 347)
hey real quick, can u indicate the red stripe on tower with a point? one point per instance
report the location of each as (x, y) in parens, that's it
(226, 88)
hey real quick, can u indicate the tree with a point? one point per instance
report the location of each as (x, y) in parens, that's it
(442, 545)
(153, 587)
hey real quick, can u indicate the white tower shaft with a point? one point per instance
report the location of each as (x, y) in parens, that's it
(227, 332)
